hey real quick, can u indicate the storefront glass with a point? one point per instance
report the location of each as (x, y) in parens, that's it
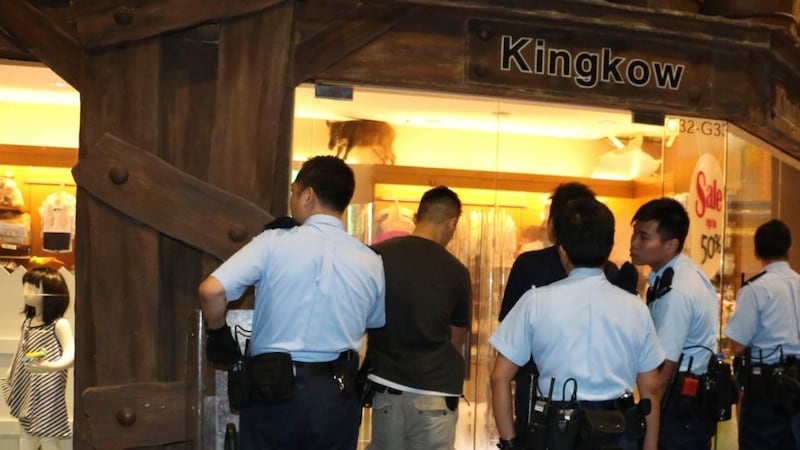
(504, 158)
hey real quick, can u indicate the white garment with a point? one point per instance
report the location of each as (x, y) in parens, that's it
(58, 213)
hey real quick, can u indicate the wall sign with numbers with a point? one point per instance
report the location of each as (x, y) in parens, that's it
(706, 208)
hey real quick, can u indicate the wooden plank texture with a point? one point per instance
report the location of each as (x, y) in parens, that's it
(108, 22)
(188, 95)
(44, 38)
(136, 415)
(341, 37)
(167, 199)
(251, 141)
(434, 55)
(10, 50)
(118, 281)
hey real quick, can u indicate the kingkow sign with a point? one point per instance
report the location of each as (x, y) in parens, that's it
(586, 68)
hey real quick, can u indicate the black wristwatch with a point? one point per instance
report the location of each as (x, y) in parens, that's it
(505, 444)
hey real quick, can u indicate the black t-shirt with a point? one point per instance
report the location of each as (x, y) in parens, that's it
(427, 291)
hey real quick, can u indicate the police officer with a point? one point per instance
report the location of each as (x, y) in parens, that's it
(583, 328)
(684, 307)
(767, 322)
(317, 289)
(542, 267)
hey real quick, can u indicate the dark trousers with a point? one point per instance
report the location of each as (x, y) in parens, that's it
(761, 428)
(681, 433)
(318, 417)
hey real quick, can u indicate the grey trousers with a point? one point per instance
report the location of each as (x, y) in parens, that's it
(412, 422)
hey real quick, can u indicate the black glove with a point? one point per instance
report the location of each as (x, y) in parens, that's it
(221, 347)
(627, 278)
(281, 222)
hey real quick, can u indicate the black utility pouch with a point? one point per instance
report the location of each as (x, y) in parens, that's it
(719, 391)
(786, 397)
(538, 424)
(367, 393)
(365, 389)
(603, 426)
(565, 428)
(759, 382)
(238, 386)
(635, 422)
(271, 377)
(790, 381)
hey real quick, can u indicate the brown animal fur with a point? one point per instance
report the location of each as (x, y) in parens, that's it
(379, 136)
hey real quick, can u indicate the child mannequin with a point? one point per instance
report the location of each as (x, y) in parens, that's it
(34, 386)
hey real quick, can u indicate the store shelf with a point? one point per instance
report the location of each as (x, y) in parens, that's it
(506, 181)
(27, 155)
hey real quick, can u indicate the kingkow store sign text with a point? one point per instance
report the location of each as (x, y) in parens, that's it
(587, 69)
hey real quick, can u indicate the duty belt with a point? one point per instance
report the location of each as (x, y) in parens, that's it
(312, 369)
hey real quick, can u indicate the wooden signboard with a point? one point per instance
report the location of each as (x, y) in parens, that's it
(531, 56)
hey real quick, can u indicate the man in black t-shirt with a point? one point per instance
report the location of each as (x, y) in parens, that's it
(416, 361)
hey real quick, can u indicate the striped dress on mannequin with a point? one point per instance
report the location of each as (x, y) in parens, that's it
(38, 399)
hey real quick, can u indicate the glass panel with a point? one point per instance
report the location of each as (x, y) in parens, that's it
(505, 157)
(749, 196)
(693, 174)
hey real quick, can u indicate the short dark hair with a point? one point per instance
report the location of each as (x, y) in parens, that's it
(438, 205)
(672, 218)
(331, 178)
(566, 192)
(585, 229)
(56, 293)
(773, 240)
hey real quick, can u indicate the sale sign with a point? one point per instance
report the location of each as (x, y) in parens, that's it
(706, 208)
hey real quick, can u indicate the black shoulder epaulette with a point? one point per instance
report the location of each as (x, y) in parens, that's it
(283, 222)
(662, 286)
(754, 278)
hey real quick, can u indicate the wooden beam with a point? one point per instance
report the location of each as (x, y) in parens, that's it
(682, 27)
(362, 25)
(151, 191)
(107, 22)
(37, 33)
(136, 415)
(251, 143)
(10, 50)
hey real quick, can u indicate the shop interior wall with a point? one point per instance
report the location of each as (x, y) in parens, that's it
(489, 152)
(36, 184)
(39, 124)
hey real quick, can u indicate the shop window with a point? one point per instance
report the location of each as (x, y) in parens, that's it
(503, 158)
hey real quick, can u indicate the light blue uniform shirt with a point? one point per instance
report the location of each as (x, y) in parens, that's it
(317, 289)
(687, 315)
(766, 314)
(585, 328)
